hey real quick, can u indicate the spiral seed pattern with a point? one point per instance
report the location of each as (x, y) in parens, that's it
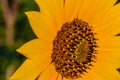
(74, 49)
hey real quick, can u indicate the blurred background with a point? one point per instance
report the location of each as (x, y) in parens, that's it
(15, 30)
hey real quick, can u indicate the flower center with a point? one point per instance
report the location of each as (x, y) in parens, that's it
(74, 49)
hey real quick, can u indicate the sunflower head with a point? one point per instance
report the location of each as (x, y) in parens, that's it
(76, 41)
(74, 49)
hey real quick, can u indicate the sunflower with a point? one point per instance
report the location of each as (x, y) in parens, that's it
(76, 41)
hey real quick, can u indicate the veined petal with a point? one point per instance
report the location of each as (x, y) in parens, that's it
(109, 30)
(53, 9)
(36, 49)
(54, 76)
(47, 73)
(115, 31)
(99, 10)
(106, 71)
(77, 79)
(109, 42)
(87, 5)
(65, 78)
(111, 15)
(59, 77)
(71, 9)
(29, 70)
(109, 57)
(108, 50)
(88, 75)
(109, 22)
(40, 27)
(94, 13)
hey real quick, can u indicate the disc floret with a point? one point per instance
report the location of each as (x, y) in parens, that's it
(74, 49)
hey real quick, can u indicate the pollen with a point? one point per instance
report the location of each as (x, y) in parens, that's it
(74, 49)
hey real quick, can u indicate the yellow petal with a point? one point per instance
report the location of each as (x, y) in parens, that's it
(36, 49)
(94, 13)
(53, 9)
(99, 10)
(109, 22)
(29, 70)
(65, 78)
(87, 5)
(71, 9)
(109, 42)
(109, 30)
(78, 79)
(59, 77)
(106, 71)
(115, 31)
(54, 76)
(90, 75)
(42, 25)
(111, 15)
(108, 50)
(109, 57)
(47, 73)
